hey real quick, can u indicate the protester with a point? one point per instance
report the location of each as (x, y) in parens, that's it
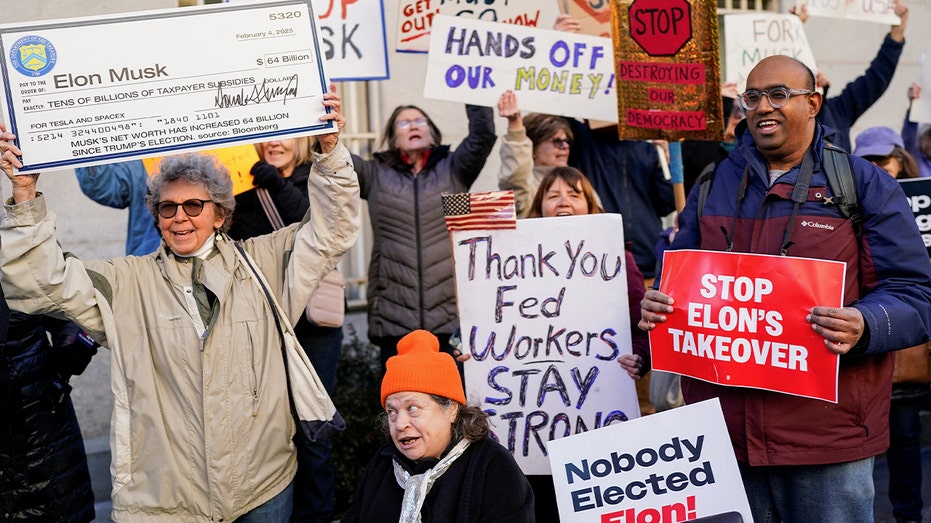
(202, 421)
(917, 137)
(532, 147)
(788, 446)
(411, 282)
(912, 372)
(441, 466)
(884, 147)
(280, 179)
(121, 186)
(842, 111)
(564, 191)
(43, 466)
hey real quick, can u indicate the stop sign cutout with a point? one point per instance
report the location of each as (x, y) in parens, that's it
(660, 27)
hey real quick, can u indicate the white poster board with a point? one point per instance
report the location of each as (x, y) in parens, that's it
(543, 311)
(921, 107)
(676, 465)
(416, 17)
(352, 38)
(868, 11)
(748, 38)
(552, 72)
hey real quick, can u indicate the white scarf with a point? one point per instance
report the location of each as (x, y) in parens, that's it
(417, 486)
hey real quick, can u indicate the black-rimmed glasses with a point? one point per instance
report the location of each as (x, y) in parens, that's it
(192, 208)
(778, 96)
(559, 143)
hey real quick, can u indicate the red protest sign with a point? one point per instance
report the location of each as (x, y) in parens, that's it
(739, 320)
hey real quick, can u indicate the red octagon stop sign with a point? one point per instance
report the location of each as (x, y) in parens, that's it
(660, 27)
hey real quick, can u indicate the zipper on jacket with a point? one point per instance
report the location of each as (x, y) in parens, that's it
(419, 250)
(255, 389)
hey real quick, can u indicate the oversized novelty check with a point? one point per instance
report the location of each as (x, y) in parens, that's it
(89, 91)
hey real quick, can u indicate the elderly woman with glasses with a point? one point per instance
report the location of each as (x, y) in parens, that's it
(532, 147)
(441, 465)
(411, 284)
(202, 424)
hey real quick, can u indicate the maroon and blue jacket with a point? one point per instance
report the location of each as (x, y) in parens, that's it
(888, 281)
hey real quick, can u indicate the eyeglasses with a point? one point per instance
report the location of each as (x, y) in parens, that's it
(404, 124)
(191, 208)
(559, 143)
(778, 96)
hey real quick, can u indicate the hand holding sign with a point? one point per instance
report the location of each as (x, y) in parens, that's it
(842, 328)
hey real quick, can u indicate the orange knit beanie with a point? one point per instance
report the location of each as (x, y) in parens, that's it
(421, 367)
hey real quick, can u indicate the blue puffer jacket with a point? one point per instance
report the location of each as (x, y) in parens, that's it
(888, 281)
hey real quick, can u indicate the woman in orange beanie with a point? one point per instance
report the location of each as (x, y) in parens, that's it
(441, 465)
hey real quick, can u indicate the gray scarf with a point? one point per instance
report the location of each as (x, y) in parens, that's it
(417, 486)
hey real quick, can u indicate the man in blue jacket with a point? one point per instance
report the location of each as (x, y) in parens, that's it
(803, 459)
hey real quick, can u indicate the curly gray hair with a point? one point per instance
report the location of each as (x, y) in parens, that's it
(198, 169)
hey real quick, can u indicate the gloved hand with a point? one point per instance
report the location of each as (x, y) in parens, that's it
(71, 346)
(267, 177)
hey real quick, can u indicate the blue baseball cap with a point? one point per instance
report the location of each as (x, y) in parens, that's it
(877, 141)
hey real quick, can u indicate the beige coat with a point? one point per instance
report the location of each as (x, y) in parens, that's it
(201, 428)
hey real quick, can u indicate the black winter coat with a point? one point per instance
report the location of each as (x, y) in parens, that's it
(43, 467)
(484, 485)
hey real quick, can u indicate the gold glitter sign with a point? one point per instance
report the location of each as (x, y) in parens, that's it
(667, 69)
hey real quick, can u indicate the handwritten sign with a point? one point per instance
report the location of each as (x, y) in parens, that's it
(238, 160)
(739, 320)
(918, 191)
(676, 465)
(544, 315)
(666, 59)
(594, 16)
(352, 38)
(552, 72)
(882, 12)
(416, 17)
(749, 38)
(921, 107)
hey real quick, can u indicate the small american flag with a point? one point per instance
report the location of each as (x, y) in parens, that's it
(480, 210)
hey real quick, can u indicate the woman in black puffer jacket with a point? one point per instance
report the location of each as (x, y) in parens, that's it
(43, 467)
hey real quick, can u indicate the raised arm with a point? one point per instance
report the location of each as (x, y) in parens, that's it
(469, 158)
(516, 172)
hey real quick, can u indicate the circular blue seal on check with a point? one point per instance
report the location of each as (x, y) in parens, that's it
(33, 55)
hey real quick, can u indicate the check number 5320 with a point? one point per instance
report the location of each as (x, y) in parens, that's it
(284, 16)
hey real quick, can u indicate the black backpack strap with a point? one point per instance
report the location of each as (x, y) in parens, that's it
(840, 179)
(704, 185)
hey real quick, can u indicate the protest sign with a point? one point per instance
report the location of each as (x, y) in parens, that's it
(238, 160)
(920, 110)
(352, 38)
(553, 72)
(918, 191)
(749, 38)
(544, 315)
(882, 11)
(671, 466)
(416, 17)
(739, 320)
(666, 58)
(594, 16)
